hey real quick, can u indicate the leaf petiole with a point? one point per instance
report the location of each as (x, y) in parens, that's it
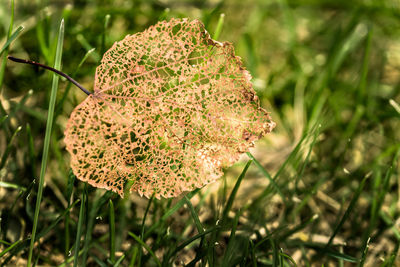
(19, 60)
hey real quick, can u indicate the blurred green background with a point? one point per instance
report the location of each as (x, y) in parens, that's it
(323, 189)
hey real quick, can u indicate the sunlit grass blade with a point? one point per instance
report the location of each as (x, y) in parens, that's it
(395, 105)
(104, 34)
(364, 253)
(47, 138)
(195, 217)
(306, 160)
(286, 256)
(9, 248)
(267, 175)
(164, 14)
(11, 185)
(82, 40)
(365, 67)
(291, 156)
(220, 23)
(81, 219)
(118, 262)
(146, 247)
(232, 196)
(134, 253)
(13, 36)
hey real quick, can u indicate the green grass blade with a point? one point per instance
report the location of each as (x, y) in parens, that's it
(164, 14)
(47, 138)
(146, 247)
(134, 253)
(292, 155)
(11, 185)
(229, 253)
(298, 228)
(104, 34)
(218, 30)
(31, 149)
(118, 262)
(79, 228)
(82, 40)
(91, 221)
(169, 212)
(286, 256)
(13, 36)
(392, 258)
(9, 248)
(364, 253)
(190, 240)
(349, 210)
(139, 253)
(378, 201)
(328, 252)
(70, 186)
(8, 148)
(112, 230)
(17, 107)
(232, 196)
(5, 49)
(195, 217)
(268, 176)
(26, 243)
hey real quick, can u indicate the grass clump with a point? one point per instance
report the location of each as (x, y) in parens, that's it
(322, 189)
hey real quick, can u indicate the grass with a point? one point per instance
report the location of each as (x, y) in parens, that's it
(321, 190)
(50, 116)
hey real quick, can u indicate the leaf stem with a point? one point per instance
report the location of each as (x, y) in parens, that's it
(19, 60)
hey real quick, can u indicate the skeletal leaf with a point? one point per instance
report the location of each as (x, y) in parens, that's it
(171, 107)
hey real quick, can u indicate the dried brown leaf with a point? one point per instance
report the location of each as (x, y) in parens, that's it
(171, 107)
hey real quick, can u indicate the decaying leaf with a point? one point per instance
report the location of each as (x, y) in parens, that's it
(171, 107)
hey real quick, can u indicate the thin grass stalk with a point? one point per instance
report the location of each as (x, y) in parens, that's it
(4, 61)
(47, 138)
(220, 23)
(112, 230)
(139, 254)
(80, 223)
(146, 247)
